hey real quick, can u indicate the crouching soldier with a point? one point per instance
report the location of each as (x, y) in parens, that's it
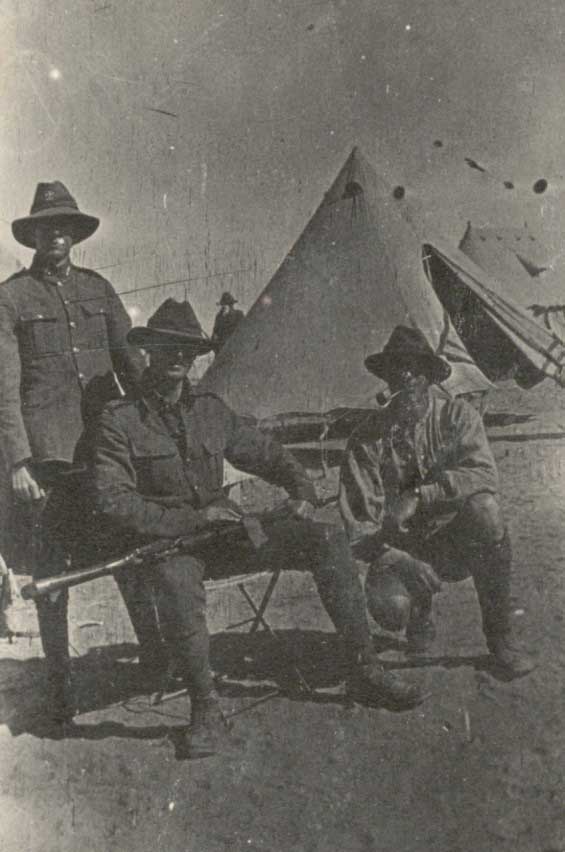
(157, 472)
(418, 495)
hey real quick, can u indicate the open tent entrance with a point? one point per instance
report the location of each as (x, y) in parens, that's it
(491, 349)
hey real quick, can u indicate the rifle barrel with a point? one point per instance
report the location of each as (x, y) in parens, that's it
(45, 586)
(153, 551)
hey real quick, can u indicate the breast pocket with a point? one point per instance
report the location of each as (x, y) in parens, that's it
(94, 326)
(40, 334)
(159, 473)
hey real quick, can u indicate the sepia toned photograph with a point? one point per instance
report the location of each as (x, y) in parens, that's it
(282, 426)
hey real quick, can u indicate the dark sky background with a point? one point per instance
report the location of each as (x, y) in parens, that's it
(205, 133)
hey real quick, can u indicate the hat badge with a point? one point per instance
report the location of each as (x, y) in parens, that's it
(49, 195)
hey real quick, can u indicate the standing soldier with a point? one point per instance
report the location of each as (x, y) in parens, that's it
(227, 320)
(60, 326)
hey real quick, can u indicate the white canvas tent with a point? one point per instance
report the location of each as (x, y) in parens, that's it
(353, 275)
(490, 286)
(520, 260)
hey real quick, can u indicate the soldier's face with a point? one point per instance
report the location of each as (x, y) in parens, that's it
(54, 242)
(411, 384)
(170, 363)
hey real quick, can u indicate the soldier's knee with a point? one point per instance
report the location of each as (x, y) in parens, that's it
(388, 600)
(483, 513)
(331, 548)
(334, 537)
(184, 576)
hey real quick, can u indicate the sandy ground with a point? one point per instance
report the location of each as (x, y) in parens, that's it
(478, 768)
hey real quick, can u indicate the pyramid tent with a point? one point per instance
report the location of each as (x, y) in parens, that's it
(522, 266)
(516, 271)
(353, 275)
(498, 250)
(489, 290)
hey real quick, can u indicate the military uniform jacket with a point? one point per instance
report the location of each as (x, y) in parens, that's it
(449, 459)
(56, 333)
(143, 484)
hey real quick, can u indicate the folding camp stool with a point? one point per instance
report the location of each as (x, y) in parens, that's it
(257, 620)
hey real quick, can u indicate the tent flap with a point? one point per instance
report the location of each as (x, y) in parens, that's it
(539, 345)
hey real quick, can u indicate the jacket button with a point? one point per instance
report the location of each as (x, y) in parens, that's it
(72, 324)
(59, 283)
(82, 377)
(76, 349)
(66, 301)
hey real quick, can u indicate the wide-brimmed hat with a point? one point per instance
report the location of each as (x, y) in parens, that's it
(408, 345)
(53, 201)
(226, 299)
(173, 324)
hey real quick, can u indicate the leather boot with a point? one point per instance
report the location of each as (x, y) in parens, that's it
(208, 728)
(369, 683)
(53, 629)
(509, 659)
(492, 576)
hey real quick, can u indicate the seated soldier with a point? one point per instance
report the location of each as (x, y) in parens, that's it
(157, 472)
(419, 496)
(68, 534)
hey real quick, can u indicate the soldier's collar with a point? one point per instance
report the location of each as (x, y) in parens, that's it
(153, 399)
(51, 273)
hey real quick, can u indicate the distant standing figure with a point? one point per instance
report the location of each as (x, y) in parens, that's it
(227, 320)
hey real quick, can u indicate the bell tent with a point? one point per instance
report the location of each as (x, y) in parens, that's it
(503, 301)
(353, 275)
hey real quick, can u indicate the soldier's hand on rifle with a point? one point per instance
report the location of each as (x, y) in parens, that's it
(301, 509)
(221, 514)
(24, 486)
(291, 508)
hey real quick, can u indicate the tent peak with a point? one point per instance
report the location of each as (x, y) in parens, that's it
(353, 274)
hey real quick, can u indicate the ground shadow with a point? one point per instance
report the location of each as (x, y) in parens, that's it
(102, 677)
(320, 656)
(480, 662)
(307, 666)
(259, 657)
(248, 665)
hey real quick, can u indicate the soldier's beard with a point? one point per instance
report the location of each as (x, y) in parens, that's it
(411, 404)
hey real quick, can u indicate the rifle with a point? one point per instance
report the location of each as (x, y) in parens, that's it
(152, 552)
